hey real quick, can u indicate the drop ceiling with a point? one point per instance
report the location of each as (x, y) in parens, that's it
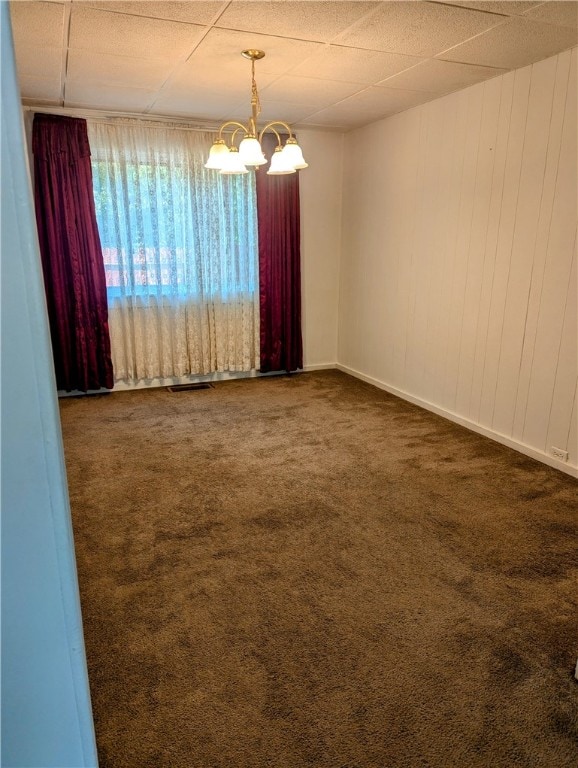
(332, 64)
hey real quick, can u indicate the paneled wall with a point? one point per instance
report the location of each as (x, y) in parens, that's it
(458, 271)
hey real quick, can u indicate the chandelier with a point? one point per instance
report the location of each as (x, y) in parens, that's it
(229, 159)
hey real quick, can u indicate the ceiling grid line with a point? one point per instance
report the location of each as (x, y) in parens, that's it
(65, 48)
(210, 26)
(332, 64)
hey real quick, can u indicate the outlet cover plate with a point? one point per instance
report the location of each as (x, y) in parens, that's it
(558, 453)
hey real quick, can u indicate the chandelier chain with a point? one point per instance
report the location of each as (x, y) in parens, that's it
(254, 92)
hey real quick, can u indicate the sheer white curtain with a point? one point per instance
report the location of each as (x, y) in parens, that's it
(180, 251)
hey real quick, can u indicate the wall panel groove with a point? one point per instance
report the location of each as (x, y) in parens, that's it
(467, 235)
(543, 228)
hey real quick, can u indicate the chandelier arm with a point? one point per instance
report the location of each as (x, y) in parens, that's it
(269, 126)
(235, 132)
(240, 127)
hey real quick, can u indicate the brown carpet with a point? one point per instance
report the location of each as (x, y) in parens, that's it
(306, 571)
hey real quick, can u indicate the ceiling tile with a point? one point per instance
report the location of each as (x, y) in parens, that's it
(144, 55)
(298, 127)
(183, 91)
(507, 7)
(309, 90)
(271, 110)
(45, 63)
(118, 70)
(440, 77)
(105, 32)
(372, 104)
(202, 72)
(417, 29)
(353, 65)
(285, 111)
(328, 118)
(37, 24)
(39, 88)
(348, 121)
(197, 12)
(514, 44)
(221, 49)
(239, 112)
(104, 96)
(563, 14)
(203, 103)
(386, 100)
(213, 116)
(304, 20)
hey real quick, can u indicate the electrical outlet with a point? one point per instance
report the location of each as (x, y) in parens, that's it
(558, 453)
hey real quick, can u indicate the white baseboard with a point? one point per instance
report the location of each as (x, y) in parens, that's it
(534, 453)
(126, 386)
(527, 450)
(320, 367)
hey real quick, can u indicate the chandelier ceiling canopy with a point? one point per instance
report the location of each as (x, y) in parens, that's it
(230, 158)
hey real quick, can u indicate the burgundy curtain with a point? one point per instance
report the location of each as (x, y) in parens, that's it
(72, 262)
(279, 268)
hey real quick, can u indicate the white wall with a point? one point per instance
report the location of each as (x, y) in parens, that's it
(320, 192)
(458, 268)
(46, 714)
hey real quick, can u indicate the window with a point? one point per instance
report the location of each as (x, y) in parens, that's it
(177, 237)
(167, 224)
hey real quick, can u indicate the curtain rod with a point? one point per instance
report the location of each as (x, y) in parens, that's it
(120, 117)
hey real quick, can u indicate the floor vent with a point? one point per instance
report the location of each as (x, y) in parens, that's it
(189, 387)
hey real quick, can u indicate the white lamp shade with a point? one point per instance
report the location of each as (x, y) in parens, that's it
(217, 155)
(279, 164)
(233, 163)
(294, 155)
(250, 151)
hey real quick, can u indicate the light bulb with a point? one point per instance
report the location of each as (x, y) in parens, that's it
(250, 151)
(217, 155)
(292, 151)
(280, 166)
(233, 163)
